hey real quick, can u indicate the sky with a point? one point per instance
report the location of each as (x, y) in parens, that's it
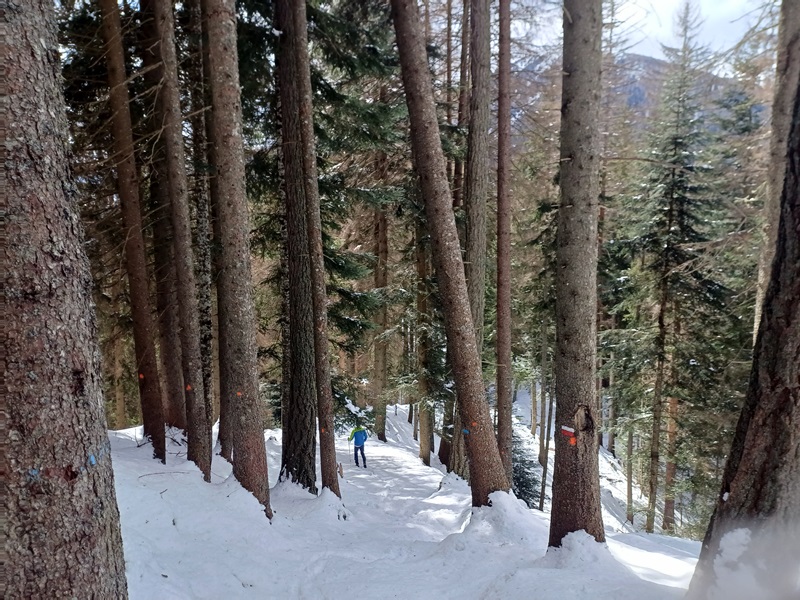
(724, 22)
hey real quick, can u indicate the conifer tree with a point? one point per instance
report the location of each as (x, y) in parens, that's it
(57, 474)
(677, 201)
(234, 290)
(758, 503)
(486, 469)
(128, 189)
(576, 484)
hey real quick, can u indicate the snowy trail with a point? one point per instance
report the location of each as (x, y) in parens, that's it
(403, 530)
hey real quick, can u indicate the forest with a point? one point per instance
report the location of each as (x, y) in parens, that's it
(555, 280)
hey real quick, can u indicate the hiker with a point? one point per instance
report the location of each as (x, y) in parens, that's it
(359, 435)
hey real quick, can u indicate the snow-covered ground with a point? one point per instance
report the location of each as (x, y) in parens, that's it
(402, 530)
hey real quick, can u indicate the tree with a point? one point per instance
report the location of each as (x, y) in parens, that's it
(379, 376)
(503, 344)
(198, 418)
(164, 269)
(759, 501)
(476, 183)
(678, 209)
(59, 485)
(486, 469)
(239, 377)
(786, 81)
(299, 441)
(576, 482)
(199, 192)
(135, 265)
(425, 401)
(319, 295)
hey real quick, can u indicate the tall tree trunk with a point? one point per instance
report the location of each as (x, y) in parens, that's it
(545, 371)
(446, 439)
(198, 420)
(657, 409)
(787, 78)
(381, 281)
(220, 361)
(120, 415)
(458, 454)
(200, 199)
(118, 362)
(327, 442)
(163, 255)
(547, 413)
(476, 188)
(237, 323)
(299, 440)
(612, 410)
(576, 480)
(670, 470)
(629, 479)
(425, 407)
(760, 493)
(285, 319)
(135, 265)
(59, 485)
(503, 344)
(486, 468)
(448, 84)
(166, 293)
(534, 403)
(668, 523)
(458, 463)
(463, 103)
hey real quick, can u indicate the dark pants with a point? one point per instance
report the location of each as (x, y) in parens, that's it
(355, 455)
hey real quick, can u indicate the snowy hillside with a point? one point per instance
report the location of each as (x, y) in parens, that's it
(403, 530)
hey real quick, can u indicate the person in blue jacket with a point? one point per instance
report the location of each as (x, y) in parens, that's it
(359, 435)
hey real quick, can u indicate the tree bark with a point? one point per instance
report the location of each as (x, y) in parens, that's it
(135, 264)
(446, 439)
(612, 410)
(166, 293)
(787, 78)
(463, 103)
(547, 413)
(237, 323)
(59, 485)
(200, 199)
(671, 467)
(576, 481)
(486, 468)
(423, 387)
(760, 493)
(222, 361)
(379, 376)
(163, 255)
(534, 403)
(503, 344)
(198, 420)
(545, 371)
(327, 442)
(299, 441)
(657, 407)
(629, 478)
(476, 187)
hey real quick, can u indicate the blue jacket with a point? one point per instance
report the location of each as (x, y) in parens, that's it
(359, 435)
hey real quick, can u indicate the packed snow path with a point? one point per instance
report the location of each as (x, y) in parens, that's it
(403, 530)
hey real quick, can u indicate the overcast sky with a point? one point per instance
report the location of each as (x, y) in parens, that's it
(724, 22)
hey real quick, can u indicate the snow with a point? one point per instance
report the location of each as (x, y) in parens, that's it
(402, 530)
